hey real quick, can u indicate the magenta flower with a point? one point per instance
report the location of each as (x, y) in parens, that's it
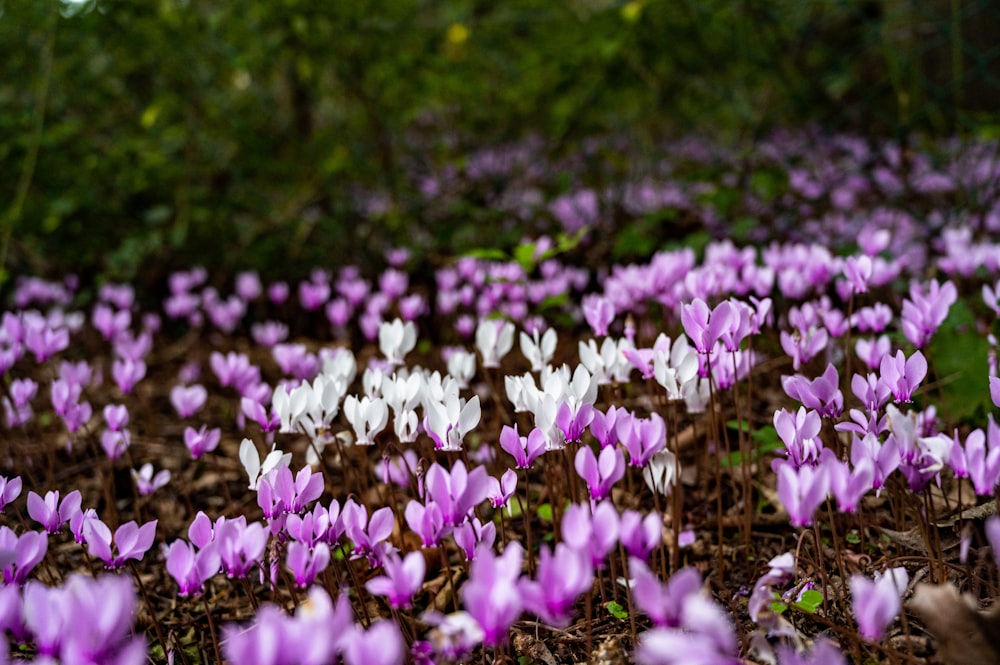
(458, 492)
(849, 485)
(822, 653)
(10, 489)
(110, 323)
(858, 271)
(604, 426)
(877, 602)
(560, 578)
(524, 449)
(240, 545)
(982, 458)
(799, 432)
(491, 594)
(50, 513)
(20, 554)
(705, 327)
(599, 313)
(127, 372)
(592, 532)
(44, 341)
(146, 482)
(116, 416)
(427, 521)
(640, 535)
(188, 400)
(202, 440)
(473, 536)
(641, 437)
(254, 410)
(902, 375)
(293, 495)
(402, 579)
(926, 310)
(500, 491)
(661, 602)
(822, 393)
(305, 562)
(995, 391)
(381, 644)
(192, 569)
(600, 473)
(367, 534)
(130, 541)
(802, 490)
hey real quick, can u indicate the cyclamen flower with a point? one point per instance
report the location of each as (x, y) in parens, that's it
(591, 531)
(821, 394)
(127, 372)
(491, 593)
(367, 416)
(254, 467)
(192, 569)
(201, 441)
(305, 562)
(524, 449)
(130, 541)
(45, 511)
(877, 602)
(472, 536)
(500, 491)
(599, 313)
(20, 554)
(396, 339)
(539, 352)
(10, 489)
(146, 483)
(600, 472)
(801, 490)
(381, 644)
(640, 535)
(926, 310)
(402, 579)
(560, 578)
(188, 400)
(494, 339)
(902, 375)
(642, 437)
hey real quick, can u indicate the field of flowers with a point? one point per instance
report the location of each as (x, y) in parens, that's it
(774, 449)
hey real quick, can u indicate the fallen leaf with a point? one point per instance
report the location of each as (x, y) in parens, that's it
(965, 634)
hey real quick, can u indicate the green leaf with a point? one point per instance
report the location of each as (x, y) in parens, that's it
(525, 256)
(616, 610)
(487, 254)
(544, 512)
(810, 601)
(853, 538)
(778, 607)
(957, 355)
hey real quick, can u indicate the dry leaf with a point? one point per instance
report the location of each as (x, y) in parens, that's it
(965, 634)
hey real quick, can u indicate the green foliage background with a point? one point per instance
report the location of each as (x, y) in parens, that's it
(141, 135)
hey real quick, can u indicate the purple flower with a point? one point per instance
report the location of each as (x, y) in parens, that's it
(115, 443)
(491, 594)
(995, 391)
(364, 533)
(594, 535)
(849, 485)
(130, 540)
(640, 535)
(427, 521)
(127, 372)
(858, 270)
(642, 437)
(600, 473)
(116, 416)
(821, 394)
(982, 458)
(902, 375)
(240, 545)
(560, 578)
(926, 310)
(20, 554)
(877, 602)
(802, 490)
(604, 426)
(472, 536)
(201, 441)
(188, 400)
(799, 433)
(146, 483)
(190, 569)
(500, 491)
(458, 492)
(402, 579)
(662, 603)
(45, 511)
(381, 644)
(705, 327)
(10, 489)
(822, 653)
(524, 449)
(305, 562)
(599, 313)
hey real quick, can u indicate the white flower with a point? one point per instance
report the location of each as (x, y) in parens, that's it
(368, 416)
(494, 339)
(539, 351)
(660, 474)
(462, 367)
(253, 466)
(396, 339)
(448, 421)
